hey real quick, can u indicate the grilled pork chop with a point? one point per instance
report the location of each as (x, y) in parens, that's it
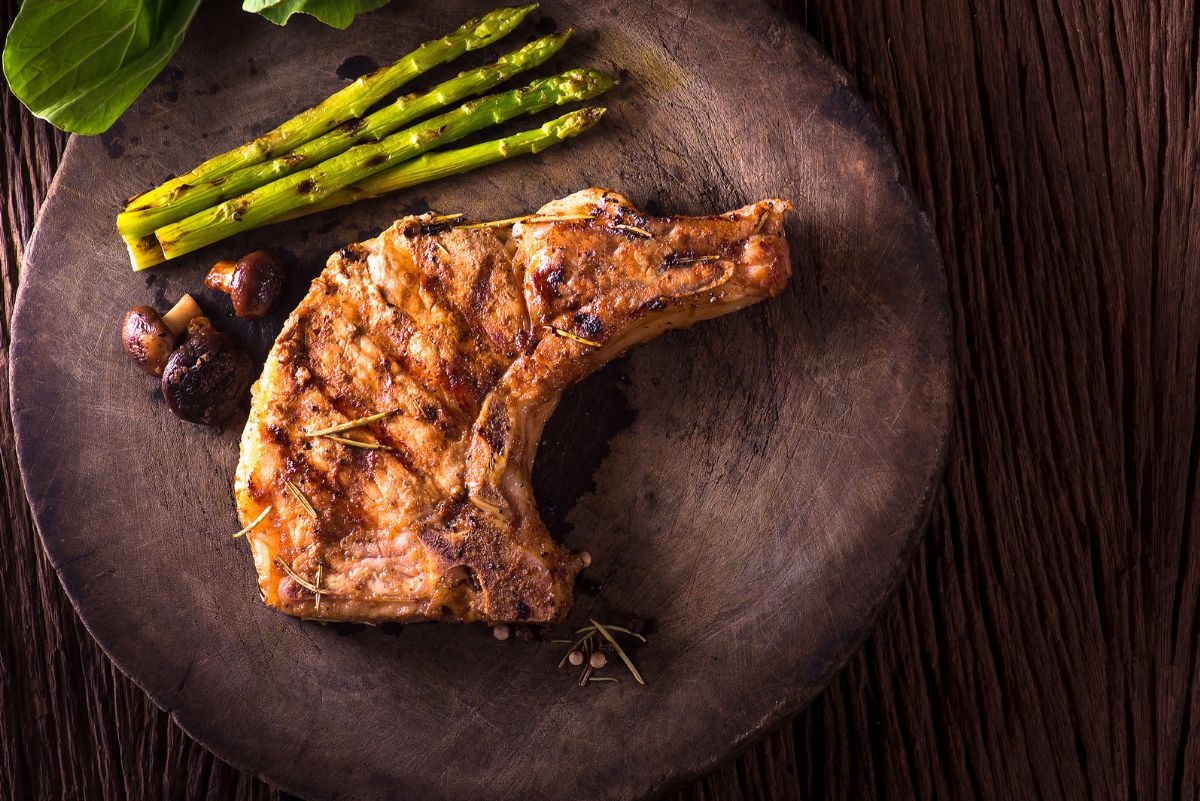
(456, 343)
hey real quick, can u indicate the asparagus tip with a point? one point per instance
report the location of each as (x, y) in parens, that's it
(592, 114)
(597, 81)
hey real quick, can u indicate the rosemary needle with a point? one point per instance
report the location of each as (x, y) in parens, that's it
(359, 423)
(261, 517)
(529, 218)
(541, 218)
(575, 337)
(296, 577)
(299, 495)
(356, 443)
(620, 651)
(694, 259)
(633, 229)
(492, 224)
(611, 627)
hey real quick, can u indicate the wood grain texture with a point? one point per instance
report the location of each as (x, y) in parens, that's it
(1044, 646)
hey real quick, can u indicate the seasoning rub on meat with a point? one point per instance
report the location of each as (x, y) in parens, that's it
(393, 430)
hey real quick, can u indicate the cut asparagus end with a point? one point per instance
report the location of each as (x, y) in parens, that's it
(144, 251)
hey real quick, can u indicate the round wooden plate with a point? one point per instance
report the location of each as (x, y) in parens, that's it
(753, 486)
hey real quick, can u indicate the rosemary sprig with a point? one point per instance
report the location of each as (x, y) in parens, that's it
(761, 222)
(357, 443)
(620, 651)
(585, 651)
(301, 498)
(633, 229)
(694, 259)
(250, 526)
(575, 337)
(528, 218)
(446, 217)
(320, 574)
(359, 423)
(315, 589)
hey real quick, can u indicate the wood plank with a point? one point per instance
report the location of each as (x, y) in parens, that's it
(1045, 645)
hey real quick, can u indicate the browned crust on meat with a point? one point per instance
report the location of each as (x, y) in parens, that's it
(468, 339)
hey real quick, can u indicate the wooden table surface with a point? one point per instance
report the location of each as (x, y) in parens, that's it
(1046, 643)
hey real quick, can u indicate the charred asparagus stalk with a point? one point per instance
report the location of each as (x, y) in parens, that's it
(347, 104)
(316, 184)
(189, 199)
(430, 167)
(444, 163)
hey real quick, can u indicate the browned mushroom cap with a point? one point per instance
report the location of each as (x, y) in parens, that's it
(207, 377)
(254, 282)
(147, 339)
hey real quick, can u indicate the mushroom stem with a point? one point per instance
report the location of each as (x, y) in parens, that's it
(220, 277)
(181, 314)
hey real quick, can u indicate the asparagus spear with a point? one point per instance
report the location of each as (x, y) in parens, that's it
(444, 163)
(145, 251)
(315, 184)
(189, 199)
(348, 103)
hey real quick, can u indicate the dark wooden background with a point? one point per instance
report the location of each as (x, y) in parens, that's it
(1046, 642)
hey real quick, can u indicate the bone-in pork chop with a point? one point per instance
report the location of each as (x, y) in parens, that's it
(456, 343)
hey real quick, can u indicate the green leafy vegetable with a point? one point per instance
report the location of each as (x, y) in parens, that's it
(337, 13)
(80, 65)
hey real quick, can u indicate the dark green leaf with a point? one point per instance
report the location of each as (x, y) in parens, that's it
(337, 13)
(80, 65)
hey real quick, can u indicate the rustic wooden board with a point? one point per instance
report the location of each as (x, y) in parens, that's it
(754, 486)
